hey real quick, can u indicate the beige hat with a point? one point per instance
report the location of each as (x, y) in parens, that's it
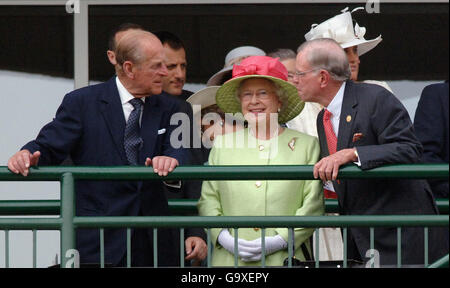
(234, 57)
(340, 28)
(204, 97)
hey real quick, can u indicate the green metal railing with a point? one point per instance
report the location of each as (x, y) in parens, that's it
(68, 222)
(176, 206)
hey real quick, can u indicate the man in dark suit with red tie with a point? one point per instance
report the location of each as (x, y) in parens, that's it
(120, 122)
(365, 124)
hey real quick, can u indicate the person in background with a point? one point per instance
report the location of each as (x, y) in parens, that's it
(211, 120)
(431, 126)
(340, 28)
(114, 37)
(365, 124)
(176, 64)
(259, 90)
(305, 122)
(235, 56)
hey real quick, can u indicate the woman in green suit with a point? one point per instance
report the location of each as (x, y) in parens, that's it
(260, 91)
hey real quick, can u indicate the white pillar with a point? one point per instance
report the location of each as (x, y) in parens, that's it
(81, 44)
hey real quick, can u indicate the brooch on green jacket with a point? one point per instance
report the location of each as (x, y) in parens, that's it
(291, 143)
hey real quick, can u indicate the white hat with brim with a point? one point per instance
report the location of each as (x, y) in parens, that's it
(340, 28)
(233, 57)
(228, 101)
(205, 97)
(364, 46)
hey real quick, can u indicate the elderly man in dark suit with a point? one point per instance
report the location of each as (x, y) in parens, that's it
(365, 124)
(431, 125)
(120, 122)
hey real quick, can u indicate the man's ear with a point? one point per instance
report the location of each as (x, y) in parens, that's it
(324, 78)
(111, 57)
(127, 68)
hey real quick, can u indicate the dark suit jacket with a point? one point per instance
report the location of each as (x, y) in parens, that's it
(431, 124)
(388, 138)
(89, 126)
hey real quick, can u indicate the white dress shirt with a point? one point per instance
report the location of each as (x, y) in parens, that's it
(125, 98)
(335, 108)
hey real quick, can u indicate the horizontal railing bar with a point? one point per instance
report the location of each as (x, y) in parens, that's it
(30, 207)
(269, 172)
(228, 221)
(261, 221)
(30, 223)
(177, 206)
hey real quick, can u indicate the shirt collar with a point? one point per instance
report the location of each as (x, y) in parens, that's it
(335, 105)
(125, 96)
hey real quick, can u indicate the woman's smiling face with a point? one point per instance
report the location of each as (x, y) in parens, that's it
(258, 99)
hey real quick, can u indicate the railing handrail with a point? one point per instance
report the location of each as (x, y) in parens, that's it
(252, 172)
(179, 206)
(230, 221)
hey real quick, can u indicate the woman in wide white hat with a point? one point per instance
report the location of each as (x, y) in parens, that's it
(210, 119)
(351, 38)
(260, 92)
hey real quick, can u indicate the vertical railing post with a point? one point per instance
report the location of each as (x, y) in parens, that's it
(69, 256)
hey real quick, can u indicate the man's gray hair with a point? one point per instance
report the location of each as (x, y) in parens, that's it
(130, 47)
(283, 54)
(327, 54)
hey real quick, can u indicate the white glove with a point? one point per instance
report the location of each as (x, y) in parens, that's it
(245, 248)
(272, 245)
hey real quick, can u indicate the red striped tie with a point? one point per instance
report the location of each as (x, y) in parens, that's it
(332, 146)
(329, 132)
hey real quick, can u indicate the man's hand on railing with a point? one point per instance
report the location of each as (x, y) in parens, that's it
(196, 249)
(327, 168)
(272, 245)
(162, 164)
(22, 161)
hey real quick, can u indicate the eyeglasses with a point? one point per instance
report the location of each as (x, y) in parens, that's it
(299, 74)
(260, 95)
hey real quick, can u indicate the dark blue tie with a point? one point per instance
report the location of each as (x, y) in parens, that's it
(132, 137)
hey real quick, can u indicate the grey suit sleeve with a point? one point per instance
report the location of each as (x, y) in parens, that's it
(394, 141)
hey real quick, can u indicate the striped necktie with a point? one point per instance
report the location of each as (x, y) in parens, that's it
(132, 138)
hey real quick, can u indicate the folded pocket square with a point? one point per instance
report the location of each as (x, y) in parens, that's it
(357, 136)
(161, 131)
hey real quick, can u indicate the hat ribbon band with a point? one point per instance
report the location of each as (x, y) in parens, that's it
(267, 69)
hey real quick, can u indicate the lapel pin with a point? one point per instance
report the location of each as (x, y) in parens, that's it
(349, 118)
(291, 143)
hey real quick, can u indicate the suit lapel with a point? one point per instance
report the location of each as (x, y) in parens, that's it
(112, 111)
(348, 114)
(324, 152)
(151, 119)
